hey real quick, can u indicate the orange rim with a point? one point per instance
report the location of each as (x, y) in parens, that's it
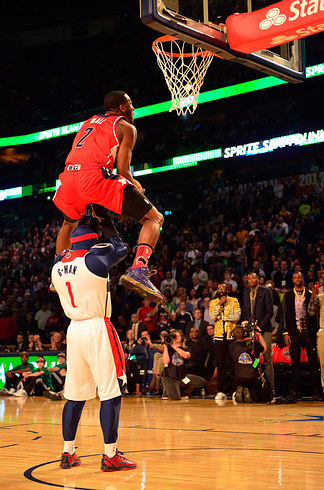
(167, 38)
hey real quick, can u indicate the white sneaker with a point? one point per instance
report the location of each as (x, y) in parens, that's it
(4, 392)
(11, 391)
(234, 399)
(20, 392)
(220, 399)
(220, 396)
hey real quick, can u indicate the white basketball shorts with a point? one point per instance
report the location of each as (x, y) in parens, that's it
(95, 359)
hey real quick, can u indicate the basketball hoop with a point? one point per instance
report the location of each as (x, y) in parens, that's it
(184, 67)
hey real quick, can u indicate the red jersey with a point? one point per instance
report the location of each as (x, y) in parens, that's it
(96, 142)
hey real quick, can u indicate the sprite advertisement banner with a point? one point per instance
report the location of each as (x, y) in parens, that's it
(8, 362)
(277, 24)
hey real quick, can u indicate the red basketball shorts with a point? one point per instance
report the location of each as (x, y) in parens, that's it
(82, 185)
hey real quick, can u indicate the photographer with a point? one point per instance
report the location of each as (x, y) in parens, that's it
(176, 381)
(245, 351)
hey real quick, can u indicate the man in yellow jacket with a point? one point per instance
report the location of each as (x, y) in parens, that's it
(225, 311)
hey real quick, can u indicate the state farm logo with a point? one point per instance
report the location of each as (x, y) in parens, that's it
(273, 18)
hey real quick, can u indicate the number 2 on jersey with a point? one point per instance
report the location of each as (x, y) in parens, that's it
(80, 143)
(68, 285)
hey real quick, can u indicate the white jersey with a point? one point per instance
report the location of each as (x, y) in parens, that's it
(83, 295)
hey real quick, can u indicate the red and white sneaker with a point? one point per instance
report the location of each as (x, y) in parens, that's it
(68, 460)
(118, 462)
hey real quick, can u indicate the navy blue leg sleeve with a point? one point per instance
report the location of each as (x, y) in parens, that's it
(109, 419)
(70, 419)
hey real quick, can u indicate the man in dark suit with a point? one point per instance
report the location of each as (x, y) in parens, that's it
(299, 330)
(258, 307)
(22, 344)
(137, 326)
(197, 322)
(283, 277)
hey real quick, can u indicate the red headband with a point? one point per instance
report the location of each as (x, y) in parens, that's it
(83, 238)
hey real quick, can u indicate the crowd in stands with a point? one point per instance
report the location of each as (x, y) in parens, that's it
(219, 240)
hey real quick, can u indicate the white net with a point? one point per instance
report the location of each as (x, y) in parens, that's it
(184, 67)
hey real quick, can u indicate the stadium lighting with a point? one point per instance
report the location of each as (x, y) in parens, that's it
(150, 110)
(192, 160)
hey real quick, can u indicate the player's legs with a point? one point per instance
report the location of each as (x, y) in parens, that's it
(149, 235)
(137, 206)
(63, 237)
(112, 459)
(109, 420)
(70, 420)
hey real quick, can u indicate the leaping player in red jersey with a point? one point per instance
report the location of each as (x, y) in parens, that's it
(88, 178)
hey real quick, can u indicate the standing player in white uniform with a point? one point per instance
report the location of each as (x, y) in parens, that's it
(94, 353)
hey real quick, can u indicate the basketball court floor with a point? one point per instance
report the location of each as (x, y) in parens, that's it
(192, 444)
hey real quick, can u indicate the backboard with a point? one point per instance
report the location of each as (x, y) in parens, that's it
(202, 23)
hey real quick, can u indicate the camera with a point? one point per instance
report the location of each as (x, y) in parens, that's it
(169, 338)
(249, 329)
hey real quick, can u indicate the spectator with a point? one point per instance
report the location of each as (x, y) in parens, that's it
(34, 383)
(158, 368)
(14, 376)
(27, 324)
(169, 283)
(21, 344)
(299, 330)
(35, 343)
(130, 339)
(163, 316)
(201, 274)
(225, 311)
(58, 374)
(132, 373)
(8, 326)
(197, 322)
(228, 280)
(200, 352)
(205, 311)
(56, 342)
(197, 286)
(258, 307)
(193, 298)
(41, 317)
(137, 326)
(181, 317)
(241, 234)
(283, 277)
(54, 322)
(146, 315)
(151, 351)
